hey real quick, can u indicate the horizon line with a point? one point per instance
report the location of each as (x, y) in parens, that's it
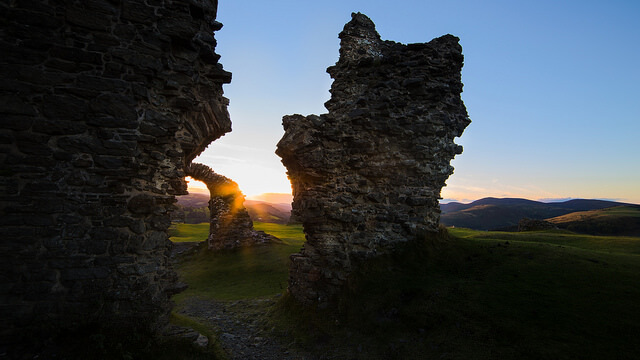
(255, 197)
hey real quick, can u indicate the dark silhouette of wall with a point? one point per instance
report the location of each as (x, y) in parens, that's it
(102, 104)
(366, 177)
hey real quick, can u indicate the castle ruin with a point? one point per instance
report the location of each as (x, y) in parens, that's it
(367, 176)
(103, 105)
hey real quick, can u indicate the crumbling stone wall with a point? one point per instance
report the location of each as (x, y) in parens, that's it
(230, 224)
(367, 176)
(103, 103)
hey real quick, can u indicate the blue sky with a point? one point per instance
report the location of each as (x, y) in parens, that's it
(552, 89)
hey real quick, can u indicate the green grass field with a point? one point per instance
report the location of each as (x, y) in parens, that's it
(474, 295)
(618, 220)
(612, 212)
(189, 232)
(503, 295)
(621, 245)
(247, 273)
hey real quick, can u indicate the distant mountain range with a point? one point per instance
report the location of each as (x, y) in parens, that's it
(261, 211)
(504, 214)
(194, 200)
(267, 212)
(580, 215)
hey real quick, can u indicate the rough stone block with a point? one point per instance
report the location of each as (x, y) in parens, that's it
(84, 273)
(137, 11)
(76, 55)
(90, 20)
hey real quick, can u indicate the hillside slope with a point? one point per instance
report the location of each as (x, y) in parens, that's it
(269, 213)
(494, 213)
(194, 200)
(618, 220)
(193, 208)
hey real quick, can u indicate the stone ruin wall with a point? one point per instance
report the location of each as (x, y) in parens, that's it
(230, 226)
(103, 102)
(367, 176)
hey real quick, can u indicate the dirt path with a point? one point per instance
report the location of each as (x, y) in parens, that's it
(242, 328)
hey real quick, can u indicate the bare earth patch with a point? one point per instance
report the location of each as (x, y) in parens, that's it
(242, 328)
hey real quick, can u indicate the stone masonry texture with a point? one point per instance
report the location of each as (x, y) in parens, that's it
(367, 175)
(102, 104)
(230, 226)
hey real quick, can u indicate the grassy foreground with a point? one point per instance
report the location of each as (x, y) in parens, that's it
(189, 232)
(469, 295)
(247, 273)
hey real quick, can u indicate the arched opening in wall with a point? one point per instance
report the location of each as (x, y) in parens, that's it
(190, 221)
(230, 225)
(241, 258)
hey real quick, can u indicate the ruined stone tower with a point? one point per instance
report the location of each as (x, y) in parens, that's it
(102, 104)
(367, 176)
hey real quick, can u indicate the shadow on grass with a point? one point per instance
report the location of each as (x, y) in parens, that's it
(466, 295)
(97, 342)
(480, 299)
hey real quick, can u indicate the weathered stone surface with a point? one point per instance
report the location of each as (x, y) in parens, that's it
(367, 176)
(94, 138)
(230, 224)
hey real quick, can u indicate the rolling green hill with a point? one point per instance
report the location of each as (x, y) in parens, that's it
(467, 295)
(193, 209)
(194, 200)
(265, 212)
(504, 214)
(479, 295)
(619, 220)
(189, 232)
(232, 275)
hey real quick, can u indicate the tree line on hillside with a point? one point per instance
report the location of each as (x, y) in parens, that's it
(258, 211)
(190, 215)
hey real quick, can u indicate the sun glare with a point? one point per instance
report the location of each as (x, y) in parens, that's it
(252, 186)
(253, 182)
(194, 185)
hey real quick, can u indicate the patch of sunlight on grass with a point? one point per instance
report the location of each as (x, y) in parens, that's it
(290, 234)
(245, 273)
(607, 244)
(189, 232)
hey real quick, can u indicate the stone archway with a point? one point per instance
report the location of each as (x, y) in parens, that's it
(230, 224)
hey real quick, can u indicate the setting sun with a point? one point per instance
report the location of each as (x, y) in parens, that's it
(255, 170)
(195, 185)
